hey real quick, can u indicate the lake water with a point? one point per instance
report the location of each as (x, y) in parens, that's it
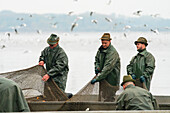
(23, 50)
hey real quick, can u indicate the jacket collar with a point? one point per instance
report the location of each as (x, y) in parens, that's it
(143, 52)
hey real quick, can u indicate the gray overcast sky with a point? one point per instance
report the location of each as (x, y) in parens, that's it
(123, 7)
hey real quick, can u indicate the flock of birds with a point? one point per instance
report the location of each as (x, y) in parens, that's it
(75, 22)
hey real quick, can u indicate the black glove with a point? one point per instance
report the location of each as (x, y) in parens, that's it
(133, 76)
(142, 79)
(93, 81)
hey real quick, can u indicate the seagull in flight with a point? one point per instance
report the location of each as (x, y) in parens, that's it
(155, 31)
(91, 13)
(94, 21)
(109, 2)
(73, 26)
(127, 27)
(155, 15)
(137, 13)
(38, 31)
(23, 25)
(54, 25)
(70, 13)
(108, 19)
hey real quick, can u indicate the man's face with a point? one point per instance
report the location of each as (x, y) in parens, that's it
(52, 46)
(140, 46)
(106, 43)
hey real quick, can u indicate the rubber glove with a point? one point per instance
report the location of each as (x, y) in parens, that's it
(93, 81)
(133, 76)
(142, 79)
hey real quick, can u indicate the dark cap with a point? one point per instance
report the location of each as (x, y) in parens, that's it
(106, 36)
(53, 39)
(127, 78)
(141, 40)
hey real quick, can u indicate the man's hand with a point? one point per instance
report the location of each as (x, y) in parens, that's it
(133, 76)
(142, 79)
(45, 77)
(41, 63)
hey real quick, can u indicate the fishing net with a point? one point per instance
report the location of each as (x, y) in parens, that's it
(33, 87)
(100, 91)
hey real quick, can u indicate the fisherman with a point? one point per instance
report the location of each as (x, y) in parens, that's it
(142, 65)
(107, 62)
(11, 97)
(134, 97)
(56, 62)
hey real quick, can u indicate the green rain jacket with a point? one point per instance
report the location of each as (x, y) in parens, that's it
(11, 97)
(107, 61)
(136, 98)
(56, 62)
(143, 64)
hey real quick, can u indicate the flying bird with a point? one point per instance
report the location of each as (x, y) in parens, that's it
(38, 31)
(155, 31)
(109, 2)
(145, 25)
(126, 27)
(20, 18)
(137, 13)
(8, 34)
(3, 46)
(54, 25)
(155, 15)
(91, 13)
(73, 26)
(94, 21)
(124, 34)
(16, 31)
(108, 19)
(23, 25)
(70, 13)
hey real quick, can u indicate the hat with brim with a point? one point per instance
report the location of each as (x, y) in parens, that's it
(141, 40)
(53, 39)
(127, 78)
(106, 36)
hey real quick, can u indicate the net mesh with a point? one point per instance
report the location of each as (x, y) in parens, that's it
(100, 91)
(33, 87)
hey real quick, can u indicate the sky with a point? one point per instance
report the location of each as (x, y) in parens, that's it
(119, 7)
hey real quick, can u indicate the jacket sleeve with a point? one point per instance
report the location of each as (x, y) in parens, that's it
(109, 65)
(130, 67)
(97, 63)
(60, 65)
(120, 105)
(42, 57)
(154, 102)
(150, 66)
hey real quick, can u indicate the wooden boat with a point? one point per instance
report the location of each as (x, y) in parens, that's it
(163, 101)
